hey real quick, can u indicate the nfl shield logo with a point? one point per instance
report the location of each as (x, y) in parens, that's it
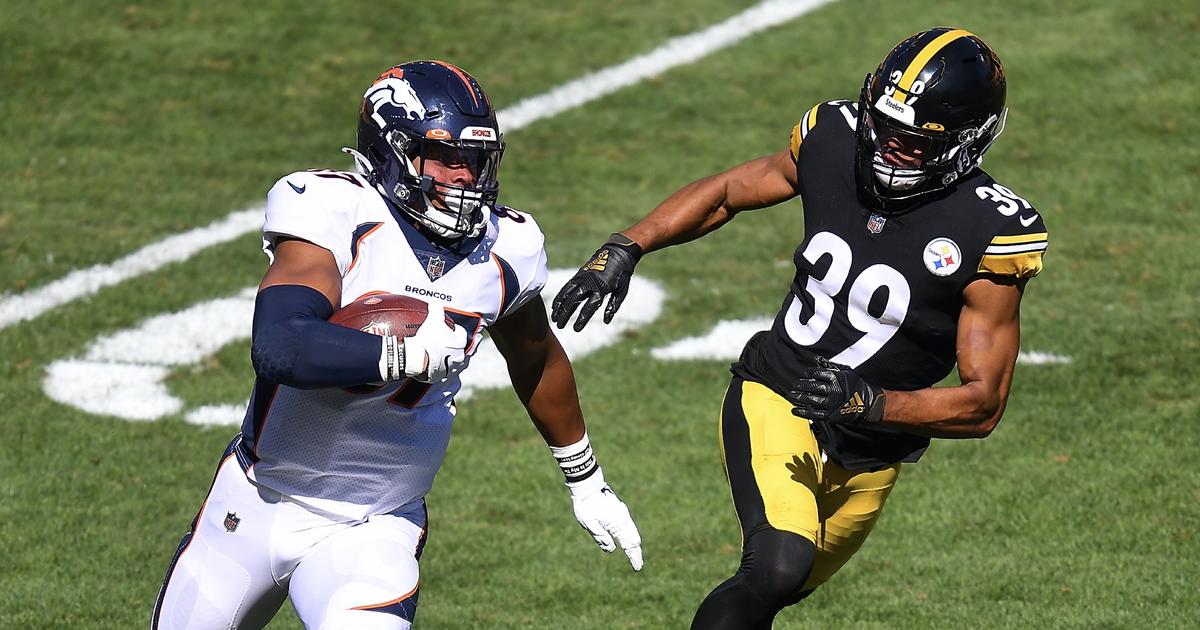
(875, 223)
(231, 522)
(435, 267)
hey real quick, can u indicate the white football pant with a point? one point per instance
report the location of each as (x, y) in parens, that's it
(252, 547)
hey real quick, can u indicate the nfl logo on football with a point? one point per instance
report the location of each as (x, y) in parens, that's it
(381, 329)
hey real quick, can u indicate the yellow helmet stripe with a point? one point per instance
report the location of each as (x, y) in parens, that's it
(922, 58)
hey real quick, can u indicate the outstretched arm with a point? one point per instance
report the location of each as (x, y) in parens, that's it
(706, 204)
(695, 210)
(545, 383)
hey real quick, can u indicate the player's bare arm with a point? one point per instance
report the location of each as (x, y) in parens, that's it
(544, 381)
(708, 203)
(693, 211)
(988, 340)
(302, 263)
(541, 373)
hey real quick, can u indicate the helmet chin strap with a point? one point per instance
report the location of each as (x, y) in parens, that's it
(454, 207)
(361, 165)
(427, 218)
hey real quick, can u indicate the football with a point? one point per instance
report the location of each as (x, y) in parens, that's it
(383, 314)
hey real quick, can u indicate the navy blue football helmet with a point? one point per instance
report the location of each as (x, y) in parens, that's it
(424, 110)
(927, 115)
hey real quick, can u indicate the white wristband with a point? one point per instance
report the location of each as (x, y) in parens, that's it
(391, 359)
(576, 460)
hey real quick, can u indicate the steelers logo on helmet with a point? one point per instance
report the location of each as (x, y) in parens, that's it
(942, 256)
(926, 117)
(429, 141)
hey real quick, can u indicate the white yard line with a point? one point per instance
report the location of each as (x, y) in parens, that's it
(675, 52)
(84, 282)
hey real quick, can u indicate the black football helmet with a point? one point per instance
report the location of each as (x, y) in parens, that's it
(424, 110)
(926, 116)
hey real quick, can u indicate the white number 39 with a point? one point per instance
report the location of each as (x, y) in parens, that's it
(1009, 202)
(878, 329)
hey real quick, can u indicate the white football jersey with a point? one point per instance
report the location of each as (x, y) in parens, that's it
(356, 454)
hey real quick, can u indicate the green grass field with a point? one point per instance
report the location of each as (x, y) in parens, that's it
(124, 124)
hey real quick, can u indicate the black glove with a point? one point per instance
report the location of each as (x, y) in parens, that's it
(607, 272)
(828, 392)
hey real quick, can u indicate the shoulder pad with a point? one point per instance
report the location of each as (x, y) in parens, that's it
(1020, 242)
(318, 206)
(322, 182)
(517, 233)
(520, 250)
(839, 110)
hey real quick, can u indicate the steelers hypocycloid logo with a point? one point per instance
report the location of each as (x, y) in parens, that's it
(942, 256)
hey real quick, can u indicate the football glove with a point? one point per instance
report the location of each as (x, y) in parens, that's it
(436, 350)
(605, 517)
(829, 392)
(606, 273)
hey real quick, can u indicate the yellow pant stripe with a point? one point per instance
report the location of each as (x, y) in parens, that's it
(819, 500)
(786, 460)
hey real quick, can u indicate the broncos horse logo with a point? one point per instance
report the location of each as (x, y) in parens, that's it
(392, 96)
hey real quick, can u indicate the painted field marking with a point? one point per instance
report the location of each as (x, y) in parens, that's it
(126, 371)
(84, 282)
(674, 52)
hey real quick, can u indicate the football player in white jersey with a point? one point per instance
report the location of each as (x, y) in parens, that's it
(320, 497)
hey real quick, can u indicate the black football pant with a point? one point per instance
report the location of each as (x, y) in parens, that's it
(775, 565)
(802, 517)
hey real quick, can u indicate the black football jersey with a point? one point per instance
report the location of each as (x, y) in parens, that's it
(882, 294)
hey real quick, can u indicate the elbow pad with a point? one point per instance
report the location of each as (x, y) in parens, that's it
(293, 345)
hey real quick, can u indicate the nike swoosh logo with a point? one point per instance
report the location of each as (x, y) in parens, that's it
(300, 189)
(1025, 221)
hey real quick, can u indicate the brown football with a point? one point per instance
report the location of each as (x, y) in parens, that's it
(383, 314)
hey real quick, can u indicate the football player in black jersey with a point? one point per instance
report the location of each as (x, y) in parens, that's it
(913, 259)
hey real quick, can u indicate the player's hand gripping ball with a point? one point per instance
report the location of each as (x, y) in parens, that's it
(383, 314)
(434, 346)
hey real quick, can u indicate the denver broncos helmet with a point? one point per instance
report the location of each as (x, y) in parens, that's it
(927, 115)
(424, 110)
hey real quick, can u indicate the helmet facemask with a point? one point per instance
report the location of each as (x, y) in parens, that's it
(429, 142)
(901, 162)
(450, 209)
(927, 115)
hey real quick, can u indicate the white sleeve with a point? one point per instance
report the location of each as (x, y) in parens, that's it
(303, 206)
(532, 282)
(522, 250)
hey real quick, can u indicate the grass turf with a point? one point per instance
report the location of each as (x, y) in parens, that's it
(126, 123)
